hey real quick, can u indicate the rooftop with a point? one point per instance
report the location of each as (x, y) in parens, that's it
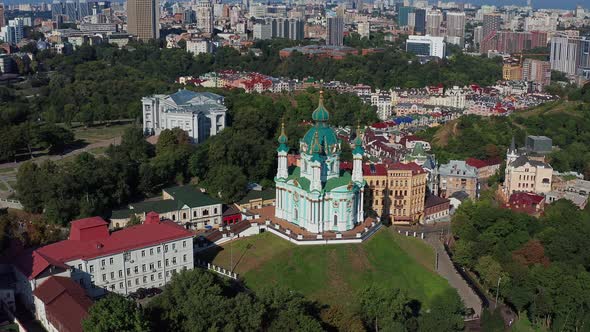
(66, 303)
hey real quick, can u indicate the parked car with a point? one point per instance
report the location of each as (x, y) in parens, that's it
(141, 293)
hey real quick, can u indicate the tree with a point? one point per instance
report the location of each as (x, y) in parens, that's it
(115, 313)
(491, 321)
(30, 186)
(226, 181)
(384, 309)
(445, 314)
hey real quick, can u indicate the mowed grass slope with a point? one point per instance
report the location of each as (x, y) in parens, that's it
(333, 274)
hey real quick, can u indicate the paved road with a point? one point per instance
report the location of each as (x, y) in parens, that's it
(105, 143)
(447, 270)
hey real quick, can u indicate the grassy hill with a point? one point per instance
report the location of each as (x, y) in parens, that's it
(333, 274)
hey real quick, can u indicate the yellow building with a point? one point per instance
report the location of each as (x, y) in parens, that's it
(511, 72)
(396, 191)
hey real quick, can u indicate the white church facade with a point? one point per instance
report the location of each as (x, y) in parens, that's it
(200, 114)
(318, 196)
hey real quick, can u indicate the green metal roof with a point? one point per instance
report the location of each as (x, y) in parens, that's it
(321, 113)
(268, 193)
(122, 214)
(159, 206)
(343, 180)
(326, 136)
(191, 196)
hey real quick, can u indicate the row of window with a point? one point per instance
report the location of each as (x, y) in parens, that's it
(143, 254)
(144, 268)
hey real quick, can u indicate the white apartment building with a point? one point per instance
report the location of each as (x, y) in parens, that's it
(199, 46)
(200, 114)
(141, 256)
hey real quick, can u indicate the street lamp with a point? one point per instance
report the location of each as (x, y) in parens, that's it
(497, 292)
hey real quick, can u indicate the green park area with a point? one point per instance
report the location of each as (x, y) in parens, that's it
(333, 274)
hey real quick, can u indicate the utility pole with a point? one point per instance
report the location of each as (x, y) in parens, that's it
(497, 292)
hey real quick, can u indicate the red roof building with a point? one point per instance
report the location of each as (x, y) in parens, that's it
(525, 202)
(61, 304)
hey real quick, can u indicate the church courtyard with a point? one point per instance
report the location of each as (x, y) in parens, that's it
(332, 274)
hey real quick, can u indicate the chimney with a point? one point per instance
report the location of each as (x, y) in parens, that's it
(152, 218)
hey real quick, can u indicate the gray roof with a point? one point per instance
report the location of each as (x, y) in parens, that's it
(457, 168)
(522, 160)
(460, 195)
(187, 97)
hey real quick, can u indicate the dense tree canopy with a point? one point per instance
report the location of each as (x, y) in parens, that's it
(115, 313)
(541, 264)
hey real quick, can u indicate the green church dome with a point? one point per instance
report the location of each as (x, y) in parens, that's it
(321, 113)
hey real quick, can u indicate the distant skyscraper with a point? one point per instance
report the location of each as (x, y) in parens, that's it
(335, 31)
(364, 29)
(565, 54)
(57, 9)
(456, 26)
(143, 19)
(1, 15)
(420, 24)
(83, 9)
(13, 33)
(205, 16)
(71, 11)
(402, 17)
(433, 22)
(491, 23)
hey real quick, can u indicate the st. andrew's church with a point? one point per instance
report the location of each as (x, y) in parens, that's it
(318, 196)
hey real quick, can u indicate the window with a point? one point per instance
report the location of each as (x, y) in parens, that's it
(166, 261)
(144, 279)
(194, 214)
(151, 266)
(104, 277)
(112, 275)
(184, 244)
(184, 258)
(205, 212)
(335, 220)
(184, 215)
(136, 269)
(120, 273)
(136, 281)
(102, 263)
(173, 246)
(143, 253)
(173, 217)
(151, 251)
(165, 248)
(152, 277)
(80, 267)
(215, 211)
(173, 260)
(159, 264)
(111, 260)
(158, 250)
(113, 287)
(128, 283)
(142, 267)
(160, 275)
(121, 285)
(128, 271)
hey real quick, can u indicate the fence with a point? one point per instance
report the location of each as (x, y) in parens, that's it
(10, 203)
(412, 233)
(217, 269)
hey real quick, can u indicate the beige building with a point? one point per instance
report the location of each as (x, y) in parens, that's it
(457, 176)
(143, 19)
(396, 191)
(524, 174)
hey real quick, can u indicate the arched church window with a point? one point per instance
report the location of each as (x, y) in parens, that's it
(184, 215)
(335, 220)
(295, 214)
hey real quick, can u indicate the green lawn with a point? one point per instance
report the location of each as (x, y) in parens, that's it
(100, 133)
(333, 274)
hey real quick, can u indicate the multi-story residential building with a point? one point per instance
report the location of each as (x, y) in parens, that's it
(143, 19)
(485, 168)
(204, 13)
(537, 72)
(396, 191)
(426, 46)
(512, 72)
(185, 205)
(335, 31)
(570, 55)
(526, 174)
(403, 15)
(456, 27)
(14, 32)
(512, 42)
(364, 29)
(141, 256)
(199, 46)
(200, 114)
(491, 22)
(434, 20)
(456, 176)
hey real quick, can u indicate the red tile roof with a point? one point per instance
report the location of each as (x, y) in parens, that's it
(477, 163)
(66, 303)
(32, 263)
(415, 168)
(525, 199)
(374, 170)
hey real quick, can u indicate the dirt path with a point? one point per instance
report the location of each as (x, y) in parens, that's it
(87, 148)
